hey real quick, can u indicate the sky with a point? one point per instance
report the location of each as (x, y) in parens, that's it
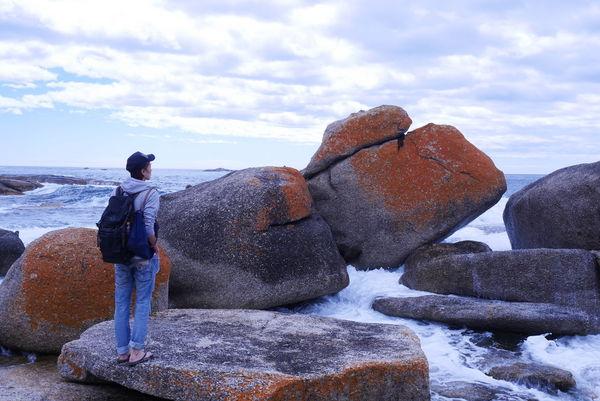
(235, 84)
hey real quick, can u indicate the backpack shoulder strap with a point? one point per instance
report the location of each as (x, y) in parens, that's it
(146, 198)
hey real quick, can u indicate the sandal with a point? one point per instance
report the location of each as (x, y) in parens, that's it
(123, 360)
(147, 355)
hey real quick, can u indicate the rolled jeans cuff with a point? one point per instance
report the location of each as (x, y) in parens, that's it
(135, 345)
(123, 350)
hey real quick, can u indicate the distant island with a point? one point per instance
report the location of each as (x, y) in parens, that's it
(218, 169)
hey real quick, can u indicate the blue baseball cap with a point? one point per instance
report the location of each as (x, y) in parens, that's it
(138, 160)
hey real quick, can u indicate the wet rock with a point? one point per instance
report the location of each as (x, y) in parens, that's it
(560, 210)
(387, 199)
(566, 277)
(248, 240)
(476, 391)
(4, 190)
(17, 184)
(536, 375)
(482, 314)
(58, 288)
(10, 186)
(40, 381)
(259, 355)
(11, 247)
(431, 251)
(365, 128)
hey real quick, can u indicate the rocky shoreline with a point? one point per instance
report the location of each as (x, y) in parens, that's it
(374, 195)
(11, 184)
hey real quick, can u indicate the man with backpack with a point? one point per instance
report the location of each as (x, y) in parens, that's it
(127, 235)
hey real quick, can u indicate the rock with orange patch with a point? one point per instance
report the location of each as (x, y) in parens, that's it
(58, 288)
(226, 355)
(365, 128)
(386, 200)
(248, 240)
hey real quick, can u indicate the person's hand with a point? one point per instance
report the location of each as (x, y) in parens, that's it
(152, 242)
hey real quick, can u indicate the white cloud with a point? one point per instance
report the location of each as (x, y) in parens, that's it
(509, 73)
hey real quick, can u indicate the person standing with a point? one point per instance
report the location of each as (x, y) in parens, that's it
(139, 273)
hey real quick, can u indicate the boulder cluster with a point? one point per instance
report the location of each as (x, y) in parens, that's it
(374, 195)
(548, 283)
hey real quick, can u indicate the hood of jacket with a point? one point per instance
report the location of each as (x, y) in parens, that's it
(132, 185)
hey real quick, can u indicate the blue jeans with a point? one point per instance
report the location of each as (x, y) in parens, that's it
(141, 277)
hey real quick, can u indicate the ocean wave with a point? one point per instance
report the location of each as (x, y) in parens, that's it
(453, 354)
(580, 355)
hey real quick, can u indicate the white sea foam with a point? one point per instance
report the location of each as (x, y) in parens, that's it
(580, 355)
(451, 354)
(47, 189)
(488, 228)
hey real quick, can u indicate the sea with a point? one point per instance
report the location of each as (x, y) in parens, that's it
(454, 354)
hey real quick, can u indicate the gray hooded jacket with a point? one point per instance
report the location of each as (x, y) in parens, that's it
(131, 186)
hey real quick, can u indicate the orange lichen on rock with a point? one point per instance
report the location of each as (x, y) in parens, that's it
(165, 268)
(290, 202)
(359, 130)
(295, 192)
(66, 282)
(70, 368)
(357, 382)
(434, 169)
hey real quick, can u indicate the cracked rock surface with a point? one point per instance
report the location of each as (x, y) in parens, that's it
(258, 355)
(385, 199)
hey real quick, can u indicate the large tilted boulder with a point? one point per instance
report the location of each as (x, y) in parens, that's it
(384, 198)
(258, 355)
(11, 247)
(566, 277)
(40, 381)
(492, 315)
(560, 210)
(248, 240)
(58, 288)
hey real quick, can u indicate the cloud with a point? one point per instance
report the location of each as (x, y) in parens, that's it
(503, 72)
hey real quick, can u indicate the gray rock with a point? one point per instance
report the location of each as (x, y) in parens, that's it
(249, 354)
(386, 200)
(476, 391)
(17, 185)
(32, 181)
(560, 276)
(545, 377)
(11, 247)
(40, 381)
(6, 190)
(248, 240)
(432, 251)
(560, 210)
(491, 315)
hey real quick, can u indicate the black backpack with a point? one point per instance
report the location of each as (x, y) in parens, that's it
(114, 227)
